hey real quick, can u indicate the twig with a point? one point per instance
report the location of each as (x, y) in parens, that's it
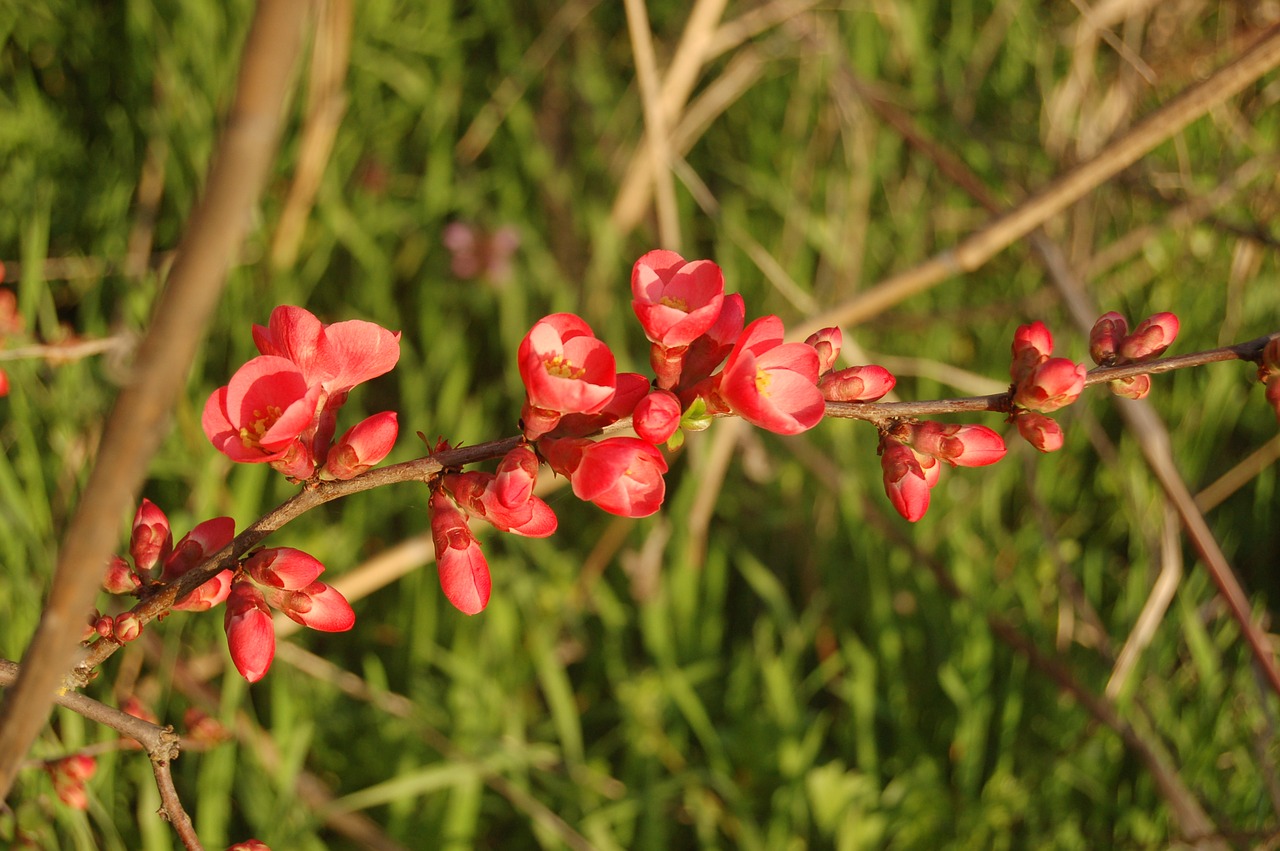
(655, 122)
(133, 431)
(161, 744)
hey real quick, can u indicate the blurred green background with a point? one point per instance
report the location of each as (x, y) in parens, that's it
(773, 661)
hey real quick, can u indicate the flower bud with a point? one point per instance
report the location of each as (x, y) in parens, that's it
(120, 578)
(363, 445)
(1136, 387)
(904, 479)
(1053, 384)
(1105, 338)
(1040, 431)
(1152, 336)
(251, 638)
(856, 384)
(657, 416)
(152, 539)
(827, 344)
(958, 445)
(127, 627)
(1032, 345)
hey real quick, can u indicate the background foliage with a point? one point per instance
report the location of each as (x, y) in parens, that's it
(771, 662)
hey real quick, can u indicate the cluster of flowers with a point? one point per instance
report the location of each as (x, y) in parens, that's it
(1111, 344)
(281, 408)
(573, 390)
(279, 577)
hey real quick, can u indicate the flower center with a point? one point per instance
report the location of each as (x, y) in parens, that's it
(677, 303)
(251, 433)
(562, 367)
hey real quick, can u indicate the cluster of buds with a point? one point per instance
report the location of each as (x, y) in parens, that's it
(1111, 344)
(69, 776)
(280, 577)
(281, 408)
(1269, 374)
(155, 562)
(912, 455)
(1041, 384)
(504, 499)
(285, 579)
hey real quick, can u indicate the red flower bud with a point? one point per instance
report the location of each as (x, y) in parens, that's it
(958, 445)
(1152, 336)
(363, 445)
(127, 627)
(464, 572)
(1136, 387)
(827, 344)
(904, 479)
(1053, 384)
(120, 578)
(1105, 337)
(657, 416)
(1040, 431)
(250, 636)
(152, 539)
(856, 384)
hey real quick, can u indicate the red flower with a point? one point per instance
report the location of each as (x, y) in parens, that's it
(1105, 337)
(772, 384)
(477, 494)
(621, 475)
(904, 479)
(283, 567)
(250, 636)
(363, 445)
(336, 357)
(259, 415)
(517, 474)
(565, 370)
(676, 301)
(709, 351)
(464, 573)
(201, 542)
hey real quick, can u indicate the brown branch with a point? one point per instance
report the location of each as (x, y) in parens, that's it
(133, 431)
(160, 743)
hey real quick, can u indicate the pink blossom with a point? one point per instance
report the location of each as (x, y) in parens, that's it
(464, 573)
(565, 370)
(772, 384)
(250, 636)
(334, 357)
(657, 416)
(826, 343)
(621, 475)
(1038, 430)
(1105, 337)
(958, 445)
(676, 301)
(904, 479)
(318, 606)
(1053, 384)
(259, 415)
(363, 445)
(856, 384)
(152, 539)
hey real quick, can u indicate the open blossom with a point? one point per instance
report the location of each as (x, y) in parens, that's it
(464, 572)
(675, 300)
(565, 370)
(333, 357)
(772, 384)
(622, 475)
(259, 415)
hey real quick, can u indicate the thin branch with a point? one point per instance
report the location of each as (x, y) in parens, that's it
(161, 744)
(314, 494)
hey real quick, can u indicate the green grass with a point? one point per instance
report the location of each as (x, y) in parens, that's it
(792, 675)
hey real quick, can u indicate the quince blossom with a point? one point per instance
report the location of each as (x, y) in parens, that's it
(772, 384)
(622, 475)
(464, 572)
(565, 370)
